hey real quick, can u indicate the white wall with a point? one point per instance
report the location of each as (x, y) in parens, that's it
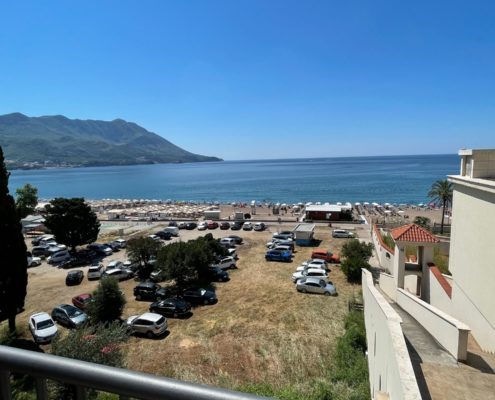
(387, 284)
(385, 257)
(472, 258)
(450, 333)
(411, 283)
(438, 297)
(390, 368)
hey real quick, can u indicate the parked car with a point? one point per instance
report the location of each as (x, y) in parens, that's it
(100, 249)
(225, 263)
(303, 267)
(165, 235)
(212, 224)
(224, 225)
(37, 240)
(326, 255)
(259, 226)
(95, 271)
(236, 226)
(58, 257)
(232, 253)
(203, 226)
(191, 225)
(217, 274)
(42, 327)
(275, 242)
(40, 251)
(182, 225)
(74, 277)
(121, 242)
(247, 226)
(315, 261)
(340, 233)
(149, 324)
(174, 230)
(281, 247)
(115, 264)
(113, 245)
(310, 272)
(150, 291)
(171, 307)
(315, 285)
(283, 236)
(72, 263)
(81, 301)
(69, 316)
(197, 295)
(172, 223)
(119, 274)
(278, 255)
(154, 237)
(227, 242)
(237, 239)
(33, 261)
(288, 234)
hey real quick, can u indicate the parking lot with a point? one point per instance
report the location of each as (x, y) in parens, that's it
(261, 329)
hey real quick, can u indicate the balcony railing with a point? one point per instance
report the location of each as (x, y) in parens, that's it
(84, 375)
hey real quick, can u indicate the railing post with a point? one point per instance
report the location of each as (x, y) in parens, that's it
(41, 391)
(5, 385)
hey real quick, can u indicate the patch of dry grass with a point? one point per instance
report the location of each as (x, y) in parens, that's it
(262, 331)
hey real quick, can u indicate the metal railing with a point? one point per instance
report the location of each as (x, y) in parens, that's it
(84, 375)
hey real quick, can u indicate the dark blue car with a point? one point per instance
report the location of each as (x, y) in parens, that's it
(278, 255)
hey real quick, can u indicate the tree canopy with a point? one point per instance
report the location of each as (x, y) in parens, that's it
(355, 255)
(108, 302)
(72, 221)
(26, 200)
(13, 268)
(424, 222)
(441, 192)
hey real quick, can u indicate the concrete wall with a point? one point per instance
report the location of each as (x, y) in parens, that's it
(390, 368)
(411, 283)
(438, 296)
(472, 258)
(450, 333)
(387, 284)
(385, 255)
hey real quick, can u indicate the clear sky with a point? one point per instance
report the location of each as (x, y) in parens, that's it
(261, 79)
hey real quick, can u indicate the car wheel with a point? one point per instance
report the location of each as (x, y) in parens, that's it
(150, 334)
(205, 302)
(138, 297)
(175, 315)
(327, 293)
(303, 290)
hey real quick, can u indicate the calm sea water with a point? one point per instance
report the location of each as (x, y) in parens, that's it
(394, 179)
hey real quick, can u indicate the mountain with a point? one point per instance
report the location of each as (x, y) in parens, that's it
(35, 142)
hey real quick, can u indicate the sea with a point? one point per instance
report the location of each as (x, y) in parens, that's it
(392, 179)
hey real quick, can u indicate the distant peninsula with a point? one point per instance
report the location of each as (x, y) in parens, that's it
(57, 141)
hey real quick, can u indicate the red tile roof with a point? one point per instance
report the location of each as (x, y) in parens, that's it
(413, 233)
(441, 279)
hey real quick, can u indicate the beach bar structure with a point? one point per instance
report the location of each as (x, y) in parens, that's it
(304, 234)
(327, 212)
(212, 214)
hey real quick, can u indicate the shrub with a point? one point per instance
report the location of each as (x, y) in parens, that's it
(108, 303)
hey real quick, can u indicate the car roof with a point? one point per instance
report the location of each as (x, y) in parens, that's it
(146, 284)
(312, 280)
(83, 296)
(41, 316)
(150, 316)
(320, 271)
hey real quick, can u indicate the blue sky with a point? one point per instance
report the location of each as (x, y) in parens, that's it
(261, 79)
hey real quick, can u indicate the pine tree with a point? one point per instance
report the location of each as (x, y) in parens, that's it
(13, 268)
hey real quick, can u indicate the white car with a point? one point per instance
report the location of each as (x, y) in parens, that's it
(154, 237)
(149, 324)
(247, 226)
(95, 271)
(311, 272)
(311, 266)
(203, 226)
(340, 233)
(233, 253)
(42, 327)
(112, 264)
(122, 243)
(225, 263)
(259, 226)
(118, 273)
(33, 261)
(315, 261)
(315, 285)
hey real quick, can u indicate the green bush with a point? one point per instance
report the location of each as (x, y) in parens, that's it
(109, 302)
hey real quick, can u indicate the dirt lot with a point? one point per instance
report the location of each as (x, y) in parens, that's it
(261, 329)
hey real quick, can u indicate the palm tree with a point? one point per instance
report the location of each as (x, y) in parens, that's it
(441, 193)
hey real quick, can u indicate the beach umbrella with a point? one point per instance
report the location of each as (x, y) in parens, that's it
(401, 212)
(357, 203)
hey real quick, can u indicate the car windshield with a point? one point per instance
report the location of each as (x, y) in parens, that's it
(73, 312)
(44, 324)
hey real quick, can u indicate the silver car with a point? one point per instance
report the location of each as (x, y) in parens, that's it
(149, 324)
(69, 316)
(315, 285)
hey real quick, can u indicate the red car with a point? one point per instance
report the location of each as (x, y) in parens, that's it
(82, 300)
(326, 255)
(212, 225)
(224, 225)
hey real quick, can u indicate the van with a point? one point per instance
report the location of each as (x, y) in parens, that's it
(58, 257)
(174, 230)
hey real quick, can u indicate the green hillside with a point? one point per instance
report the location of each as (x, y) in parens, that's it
(35, 142)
